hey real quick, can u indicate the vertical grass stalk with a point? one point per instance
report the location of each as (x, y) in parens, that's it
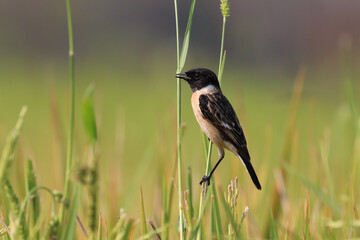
(221, 69)
(178, 120)
(143, 217)
(225, 14)
(225, 9)
(71, 117)
(180, 64)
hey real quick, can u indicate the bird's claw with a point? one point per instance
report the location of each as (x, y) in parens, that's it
(206, 179)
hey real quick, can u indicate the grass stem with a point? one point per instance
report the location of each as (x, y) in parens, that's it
(208, 160)
(220, 71)
(178, 123)
(71, 119)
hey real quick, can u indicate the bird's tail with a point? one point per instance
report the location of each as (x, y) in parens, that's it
(244, 156)
(252, 173)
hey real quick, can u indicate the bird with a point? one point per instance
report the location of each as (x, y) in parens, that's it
(217, 118)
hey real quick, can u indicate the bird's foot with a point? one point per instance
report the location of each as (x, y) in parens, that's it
(206, 179)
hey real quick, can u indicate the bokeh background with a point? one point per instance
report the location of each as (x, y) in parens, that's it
(127, 50)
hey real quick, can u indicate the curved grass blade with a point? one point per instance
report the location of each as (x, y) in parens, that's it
(185, 46)
(7, 155)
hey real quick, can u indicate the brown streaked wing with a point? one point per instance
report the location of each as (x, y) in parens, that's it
(218, 110)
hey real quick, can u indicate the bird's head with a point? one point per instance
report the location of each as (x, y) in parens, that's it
(199, 78)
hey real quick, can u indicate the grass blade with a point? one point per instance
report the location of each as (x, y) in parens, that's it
(307, 217)
(324, 153)
(119, 226)
(30, 183)
(89, 119)
(7, 155)
(185, 45)
(99, 235)
(290, 131)
(352, 101)
(213, 226)
(13, 199)
(217, 211)
(190, 199)
(143, 217)
(21, 231)
(273, 231)
(316, 189)
(88, 114)
(164, 206)
(155, 233)
(81, 225)
(229, 215)
(69, 229)
(356, 152)
(167, 202)
(198, 223)
(6, 228)
(140, 172)
(128, 230)
(205, 144)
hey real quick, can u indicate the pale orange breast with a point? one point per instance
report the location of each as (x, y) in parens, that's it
(211, 132)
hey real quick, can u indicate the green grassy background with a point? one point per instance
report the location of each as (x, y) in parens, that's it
(135, 110)
(131, 61)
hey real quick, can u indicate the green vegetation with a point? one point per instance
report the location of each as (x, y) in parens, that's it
(121, 170)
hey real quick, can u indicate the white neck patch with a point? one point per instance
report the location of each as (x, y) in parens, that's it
(208, 89)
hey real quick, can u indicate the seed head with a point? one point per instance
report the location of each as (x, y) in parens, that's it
(225, 8)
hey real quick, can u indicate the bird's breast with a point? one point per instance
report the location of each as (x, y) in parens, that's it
(209, 129)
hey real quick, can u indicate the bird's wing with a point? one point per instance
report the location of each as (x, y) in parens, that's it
(218, 110)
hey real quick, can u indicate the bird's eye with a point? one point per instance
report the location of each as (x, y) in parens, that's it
(197, 76)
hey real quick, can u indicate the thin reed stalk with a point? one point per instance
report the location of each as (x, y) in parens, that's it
(180, 59)
(220, 72)
(71, 117)
(178, 122)
(224, 6)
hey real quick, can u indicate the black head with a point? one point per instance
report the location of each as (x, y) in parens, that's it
(199, 78)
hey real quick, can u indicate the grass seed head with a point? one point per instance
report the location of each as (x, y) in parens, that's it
(225, 8)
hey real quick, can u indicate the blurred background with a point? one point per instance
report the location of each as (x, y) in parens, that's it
(259, 34)
(127, 49)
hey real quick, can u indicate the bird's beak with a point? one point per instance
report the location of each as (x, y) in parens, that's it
(182, 76)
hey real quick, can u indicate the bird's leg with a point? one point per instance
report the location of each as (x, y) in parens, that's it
(206, 178)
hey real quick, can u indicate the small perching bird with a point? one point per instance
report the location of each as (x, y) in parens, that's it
(217, 118)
